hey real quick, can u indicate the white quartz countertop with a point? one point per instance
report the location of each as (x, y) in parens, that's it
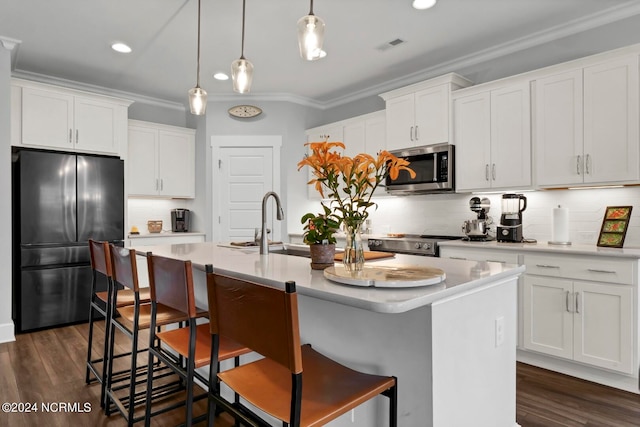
(165, 234)
(573, 249)
(247, 263)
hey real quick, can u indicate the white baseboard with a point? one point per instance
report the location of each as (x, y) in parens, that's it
(7, 332)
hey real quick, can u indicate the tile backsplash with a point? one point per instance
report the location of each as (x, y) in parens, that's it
(444, 214)
(139, 211)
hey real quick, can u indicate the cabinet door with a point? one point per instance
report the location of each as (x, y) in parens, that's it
(400, 122)
(96, 126)
(611, 121)
(354, 138)
(511, 136)
(472, 137)
(547, 320)
(176, 164)
(47, 119)
(432, 115)
(375, 135)
(142, 162)
(603, 332)
(558, 124)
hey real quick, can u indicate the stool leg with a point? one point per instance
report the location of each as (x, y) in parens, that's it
(108, 342)
(190, 369)
(109, 362)
(90, 344)
(150, 355)
(134, 369)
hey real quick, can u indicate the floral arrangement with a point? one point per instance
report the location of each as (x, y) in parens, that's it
(350, 181)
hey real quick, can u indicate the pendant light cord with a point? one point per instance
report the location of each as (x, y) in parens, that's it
(198, 62)
(311, 8)
(242, 48)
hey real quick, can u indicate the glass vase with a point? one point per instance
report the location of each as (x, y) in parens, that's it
(353, 259)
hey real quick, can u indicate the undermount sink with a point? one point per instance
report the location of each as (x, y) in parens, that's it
(303, 252)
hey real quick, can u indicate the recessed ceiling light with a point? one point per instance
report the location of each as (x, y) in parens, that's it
(220, 76)
(121, 47)
(423, 4)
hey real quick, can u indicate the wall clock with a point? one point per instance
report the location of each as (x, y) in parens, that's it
(245, 111)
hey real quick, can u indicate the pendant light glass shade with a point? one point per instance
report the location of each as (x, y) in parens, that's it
(197, 101)
(242, 75)
(423, 4)
(197, 95)
(311, 37)
(241, 69)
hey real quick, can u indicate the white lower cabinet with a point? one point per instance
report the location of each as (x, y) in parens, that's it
(586, 321)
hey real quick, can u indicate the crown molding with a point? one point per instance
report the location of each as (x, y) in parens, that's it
(265, 97)
(613, 14)
(12, 45)
(70, 84)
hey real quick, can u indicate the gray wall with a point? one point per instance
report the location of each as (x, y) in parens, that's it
(6, 324)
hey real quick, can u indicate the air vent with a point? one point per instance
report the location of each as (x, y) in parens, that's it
(389, 45)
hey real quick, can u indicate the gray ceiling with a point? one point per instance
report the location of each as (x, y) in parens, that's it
(70, 39)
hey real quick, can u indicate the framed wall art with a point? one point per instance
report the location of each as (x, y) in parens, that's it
(614, 226)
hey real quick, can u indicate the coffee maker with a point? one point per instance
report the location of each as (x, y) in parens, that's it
(478, 229)
(510, 228)
(180, 220)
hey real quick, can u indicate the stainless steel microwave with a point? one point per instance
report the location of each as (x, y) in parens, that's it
(434, 168)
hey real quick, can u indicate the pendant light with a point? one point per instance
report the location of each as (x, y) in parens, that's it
(311, 36)
(423, 4)
(241, 69)
(197, 95)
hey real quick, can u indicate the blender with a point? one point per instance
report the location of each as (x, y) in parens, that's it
(510, 228)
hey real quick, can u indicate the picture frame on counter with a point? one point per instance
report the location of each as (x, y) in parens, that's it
(614, 226)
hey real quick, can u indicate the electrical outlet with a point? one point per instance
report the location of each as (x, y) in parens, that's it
(499, 331)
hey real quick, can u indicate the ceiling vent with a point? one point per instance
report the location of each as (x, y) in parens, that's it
(389, 45)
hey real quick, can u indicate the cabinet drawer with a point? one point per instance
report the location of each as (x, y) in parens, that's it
(480, 255)
(598, 269)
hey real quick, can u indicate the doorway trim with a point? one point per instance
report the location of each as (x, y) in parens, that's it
(242, 141)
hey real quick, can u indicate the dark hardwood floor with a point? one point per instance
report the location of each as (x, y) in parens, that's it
(48, 367)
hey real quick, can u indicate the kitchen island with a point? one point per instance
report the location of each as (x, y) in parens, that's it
(452, 345)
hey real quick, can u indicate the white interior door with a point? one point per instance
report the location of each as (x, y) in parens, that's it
(246, 167)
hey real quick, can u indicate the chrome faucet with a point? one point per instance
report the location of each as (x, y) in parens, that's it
(264, 242)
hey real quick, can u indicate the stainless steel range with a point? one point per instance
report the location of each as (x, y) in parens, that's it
(412, 244)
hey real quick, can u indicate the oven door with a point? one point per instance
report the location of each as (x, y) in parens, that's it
(434, 170)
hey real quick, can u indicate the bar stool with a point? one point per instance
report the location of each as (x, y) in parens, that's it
(130, 320)
(171, 283)
(293, 383)
(101, 302)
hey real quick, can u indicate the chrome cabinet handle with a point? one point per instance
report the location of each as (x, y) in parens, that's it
(567, 301)
(456, 257)
(70, 136)
(486, 172)
(587, 160)
(547, 266)
(77, 136)
(493, 172)
(493, 260)
(156, 184)
(577, 302)
(578, 164)
(411, 133)
(594, 270)
(161, 184)
(416, 133)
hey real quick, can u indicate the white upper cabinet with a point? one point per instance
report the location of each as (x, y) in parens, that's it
(50, 117)
(586, 122)
(161, 160)
(492, 134)
(420, 114)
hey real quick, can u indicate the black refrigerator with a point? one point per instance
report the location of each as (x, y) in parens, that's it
(59, 202)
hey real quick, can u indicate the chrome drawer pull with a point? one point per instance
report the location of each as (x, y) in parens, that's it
(577, 302)
(593, 270)
(455, 257)
(567, 301)
(547, 266)
(493, 260)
